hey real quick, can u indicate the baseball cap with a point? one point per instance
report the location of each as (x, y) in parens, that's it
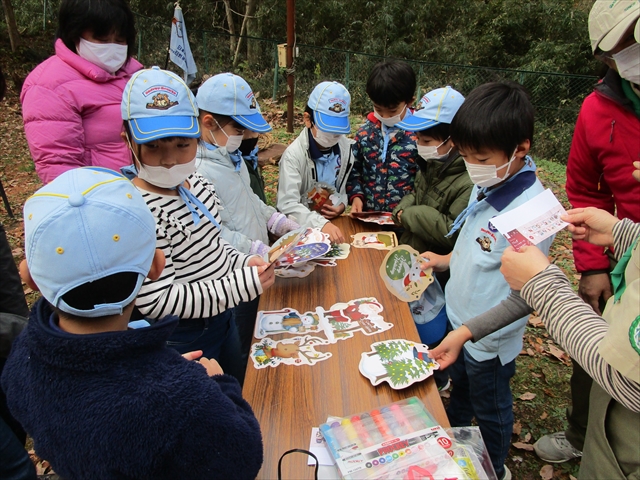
(609, 20)
(437, 106)
(330, 102)
(87, 224)
(157, 104)
(230, 95)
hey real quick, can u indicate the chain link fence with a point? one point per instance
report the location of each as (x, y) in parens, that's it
(557, 97)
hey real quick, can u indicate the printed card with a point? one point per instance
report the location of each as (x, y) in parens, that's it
(381, 218)
(400, 363)
(295, 351)
(401, 273)
(343, 320)
(286, 320)
(532, 222)
(377, 240)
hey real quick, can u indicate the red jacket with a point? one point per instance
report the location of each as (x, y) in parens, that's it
(606, 142)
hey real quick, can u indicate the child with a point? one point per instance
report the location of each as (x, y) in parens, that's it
(492, 130)
(228, 109)
(385, 155)
(204, 276)
(99, 399)
(320, 157)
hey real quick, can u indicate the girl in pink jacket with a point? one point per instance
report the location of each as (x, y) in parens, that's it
(71, 101)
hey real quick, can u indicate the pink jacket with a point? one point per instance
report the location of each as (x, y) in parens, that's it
(71, 113)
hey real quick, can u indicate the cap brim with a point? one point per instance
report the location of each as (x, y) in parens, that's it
(145, 130)
(255, 122)
(611, 39)
(331, 124)
(413, 123)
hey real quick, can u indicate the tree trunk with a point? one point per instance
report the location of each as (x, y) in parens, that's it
(12, 27)
(253, 46)
(232, 28)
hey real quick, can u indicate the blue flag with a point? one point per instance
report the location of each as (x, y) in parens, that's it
(179, 49)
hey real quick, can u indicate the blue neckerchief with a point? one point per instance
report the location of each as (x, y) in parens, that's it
(500, 197)
(252, 158)
(189, 198)
(327, 164)
(386, 136)
(235, 157)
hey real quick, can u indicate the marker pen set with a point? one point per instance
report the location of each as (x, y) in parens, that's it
(387, 442)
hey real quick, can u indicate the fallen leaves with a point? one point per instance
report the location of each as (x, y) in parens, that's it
(523, 446)
(546, 472)
(527, 396)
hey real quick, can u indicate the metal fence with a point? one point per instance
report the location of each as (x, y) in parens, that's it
(557, 97)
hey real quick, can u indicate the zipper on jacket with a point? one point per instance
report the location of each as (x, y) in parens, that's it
(613, 122)
(346, 172)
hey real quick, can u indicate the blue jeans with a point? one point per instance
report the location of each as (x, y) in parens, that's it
(481, 390)
(15, 464)
(217, 337)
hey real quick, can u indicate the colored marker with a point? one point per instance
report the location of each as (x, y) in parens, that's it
(332, 442)
(400, 418)
(348, 428)
(374, 433)
(383, 428)
(391, 422)
(418, 410)
(341, 438)
(361, 431)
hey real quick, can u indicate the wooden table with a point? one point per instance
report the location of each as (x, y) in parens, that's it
(289, 400)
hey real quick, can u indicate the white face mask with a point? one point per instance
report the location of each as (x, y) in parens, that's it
(628, 63)
(325, 139)
(233, 141)
(161, 176)
(428, 152)
(390, 121)
(108, 56)
(487, 175)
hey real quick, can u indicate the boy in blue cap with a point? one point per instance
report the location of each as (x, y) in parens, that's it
(204, 277)
(318, 162)
(88, 387)
(228, 108)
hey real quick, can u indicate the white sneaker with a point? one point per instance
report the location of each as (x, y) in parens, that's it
(555, 448)
(507, 474)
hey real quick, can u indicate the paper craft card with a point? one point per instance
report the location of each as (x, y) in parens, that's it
(343, 320)
(286, 320)
(338, 251)
(292, 351)
(284, 248)
(377, 240)
(381, 218)
(399, 362)
(318, 446)
(401, 273)
(300, 270)
(302, 253)
(531, 222)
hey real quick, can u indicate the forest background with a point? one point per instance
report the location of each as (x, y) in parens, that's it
(543, 44)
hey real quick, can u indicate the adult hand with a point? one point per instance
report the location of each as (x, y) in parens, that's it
(439, 263)
(591, 225)
(192, 355)
(520, 267)
(356, 205)
(334, 232)
(636, 173)
(211, 365)
(267, 275)
(330, 211)
(449, 349)
(592, 288)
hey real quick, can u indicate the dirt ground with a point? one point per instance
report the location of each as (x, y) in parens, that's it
(540, 387)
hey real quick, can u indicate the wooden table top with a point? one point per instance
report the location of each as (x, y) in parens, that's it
(289, 400)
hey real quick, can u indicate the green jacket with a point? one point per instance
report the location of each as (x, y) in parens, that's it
(441, 192)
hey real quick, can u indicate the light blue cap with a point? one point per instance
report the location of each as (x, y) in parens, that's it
(331, 103)
(437, 106)
(85, 225)
(230, 95)
(158, 104)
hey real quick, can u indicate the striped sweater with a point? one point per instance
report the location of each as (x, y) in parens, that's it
(204, 275)
(574, 325)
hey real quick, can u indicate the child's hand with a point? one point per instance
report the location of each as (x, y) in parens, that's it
(520, 267)
(267, 275)
(211, 365)
(439, 263)
(329, 211)
(334, 232)
(636, 172)
(449, 349)
(192, 355)
(591, 225)
(356, 205)
(257, 261)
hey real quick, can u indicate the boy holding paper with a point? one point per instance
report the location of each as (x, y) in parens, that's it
(495, 153)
